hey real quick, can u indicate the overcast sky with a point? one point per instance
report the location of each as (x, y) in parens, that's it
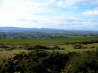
(61, 14)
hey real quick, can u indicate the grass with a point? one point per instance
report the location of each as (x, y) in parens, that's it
(61, 42)
(74, 63)
(47, 41)
(57, 61)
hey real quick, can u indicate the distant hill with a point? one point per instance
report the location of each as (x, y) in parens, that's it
(17, 29)
(15, 32)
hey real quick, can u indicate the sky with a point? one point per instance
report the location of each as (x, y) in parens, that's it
(59, 14)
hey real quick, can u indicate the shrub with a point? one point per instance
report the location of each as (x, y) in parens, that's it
(56, 47)
(35, 62)
(77, 46)
(40, 47)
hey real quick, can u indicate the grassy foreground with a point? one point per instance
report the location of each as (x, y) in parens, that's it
(48, 62)
(74, 55)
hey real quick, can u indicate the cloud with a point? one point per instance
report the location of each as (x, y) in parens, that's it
(51, 1)
(47, 14)
(74, 3)
(68, 3)
(61, 22)
(91, 13)
(13, 10)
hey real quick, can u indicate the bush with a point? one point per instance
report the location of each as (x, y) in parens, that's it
(40, 47)
(56, 47)
(35, 62)
(77, 46)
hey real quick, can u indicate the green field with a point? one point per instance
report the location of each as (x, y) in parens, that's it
(66, 43)
(47, 41)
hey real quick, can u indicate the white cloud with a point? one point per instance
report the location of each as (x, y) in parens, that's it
(29, 13)
(73, 3)
(68, 3)
(90, 13)
(13, 10)
(51, 1)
